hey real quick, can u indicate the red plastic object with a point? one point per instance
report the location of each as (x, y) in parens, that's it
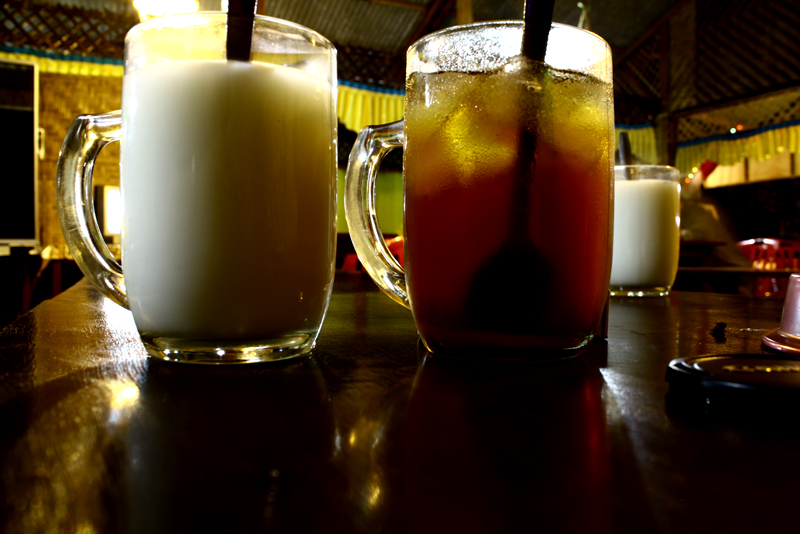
(769, 254)
(351, 263)
(395, 246)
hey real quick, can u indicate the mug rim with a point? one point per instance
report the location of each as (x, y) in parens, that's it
(660, 172)
(511, 23)
(318, 38)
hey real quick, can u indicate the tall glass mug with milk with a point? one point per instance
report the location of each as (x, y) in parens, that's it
(647, 213)
(228, 181)
(508, 187)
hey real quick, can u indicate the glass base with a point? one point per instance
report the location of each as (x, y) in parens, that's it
(469, 345)
(216, 352)
(633, 291)
(505, 354)
(783, 341)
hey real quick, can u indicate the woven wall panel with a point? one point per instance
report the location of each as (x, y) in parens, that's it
(639, 75)
(370, 67)
(64, 30)
(746, 47)
(720, 51)
(637, 91)
(62, 98)
(747, 116)
(682, 58)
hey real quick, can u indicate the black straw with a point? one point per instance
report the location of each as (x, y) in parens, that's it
(241, 14)
(496, 301)
(625, 157)
(538, 15)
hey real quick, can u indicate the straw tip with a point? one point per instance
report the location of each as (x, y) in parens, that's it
(538, 16)
(240, 29)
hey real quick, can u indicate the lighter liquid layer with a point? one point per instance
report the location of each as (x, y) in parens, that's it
(646, 233)
(228, 186)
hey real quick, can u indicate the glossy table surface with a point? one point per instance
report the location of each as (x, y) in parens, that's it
(372, 434)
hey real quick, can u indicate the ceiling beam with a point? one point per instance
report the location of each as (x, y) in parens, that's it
(650, 32)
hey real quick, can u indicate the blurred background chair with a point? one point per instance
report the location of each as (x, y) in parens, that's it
(768, 254)
(395, 246)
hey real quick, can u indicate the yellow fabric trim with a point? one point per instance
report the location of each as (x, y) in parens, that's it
(358, 108)
(729, 152)
(643, 143)
(58, 66)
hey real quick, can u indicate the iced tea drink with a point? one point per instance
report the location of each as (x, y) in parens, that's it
(462, 164)
(508, 172)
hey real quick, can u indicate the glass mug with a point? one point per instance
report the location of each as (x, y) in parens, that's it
(647, 221)
(228, 182)
(508, 192)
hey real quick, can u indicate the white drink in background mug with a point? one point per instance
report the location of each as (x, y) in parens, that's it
(228, 180)
(646, 230)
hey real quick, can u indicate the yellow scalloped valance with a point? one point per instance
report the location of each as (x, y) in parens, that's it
(643, 143)
(358, 107)
(757, 147)
(66, 66)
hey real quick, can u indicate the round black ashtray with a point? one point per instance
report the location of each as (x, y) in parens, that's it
(735, 385)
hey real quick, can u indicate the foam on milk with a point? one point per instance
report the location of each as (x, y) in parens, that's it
(228, 184)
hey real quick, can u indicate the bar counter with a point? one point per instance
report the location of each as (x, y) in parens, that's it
(372, 434)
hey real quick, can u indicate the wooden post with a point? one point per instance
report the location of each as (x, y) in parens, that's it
(464, 12)
(665, 123)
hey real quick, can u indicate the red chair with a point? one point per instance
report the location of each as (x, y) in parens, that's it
(395, 246)
(772, 255)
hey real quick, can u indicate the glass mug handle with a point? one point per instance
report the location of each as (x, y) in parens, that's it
(85, 137)
(371, 146)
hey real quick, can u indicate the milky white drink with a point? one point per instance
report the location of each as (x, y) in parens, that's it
(646, 236)
(227, 180)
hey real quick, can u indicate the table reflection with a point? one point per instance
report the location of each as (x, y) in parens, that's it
(447, 449)
(373, 434)
(242, 449)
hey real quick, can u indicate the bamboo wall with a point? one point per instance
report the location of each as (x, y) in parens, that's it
(62, 98)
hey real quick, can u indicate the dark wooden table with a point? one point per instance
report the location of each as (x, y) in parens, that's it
(371, 434)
